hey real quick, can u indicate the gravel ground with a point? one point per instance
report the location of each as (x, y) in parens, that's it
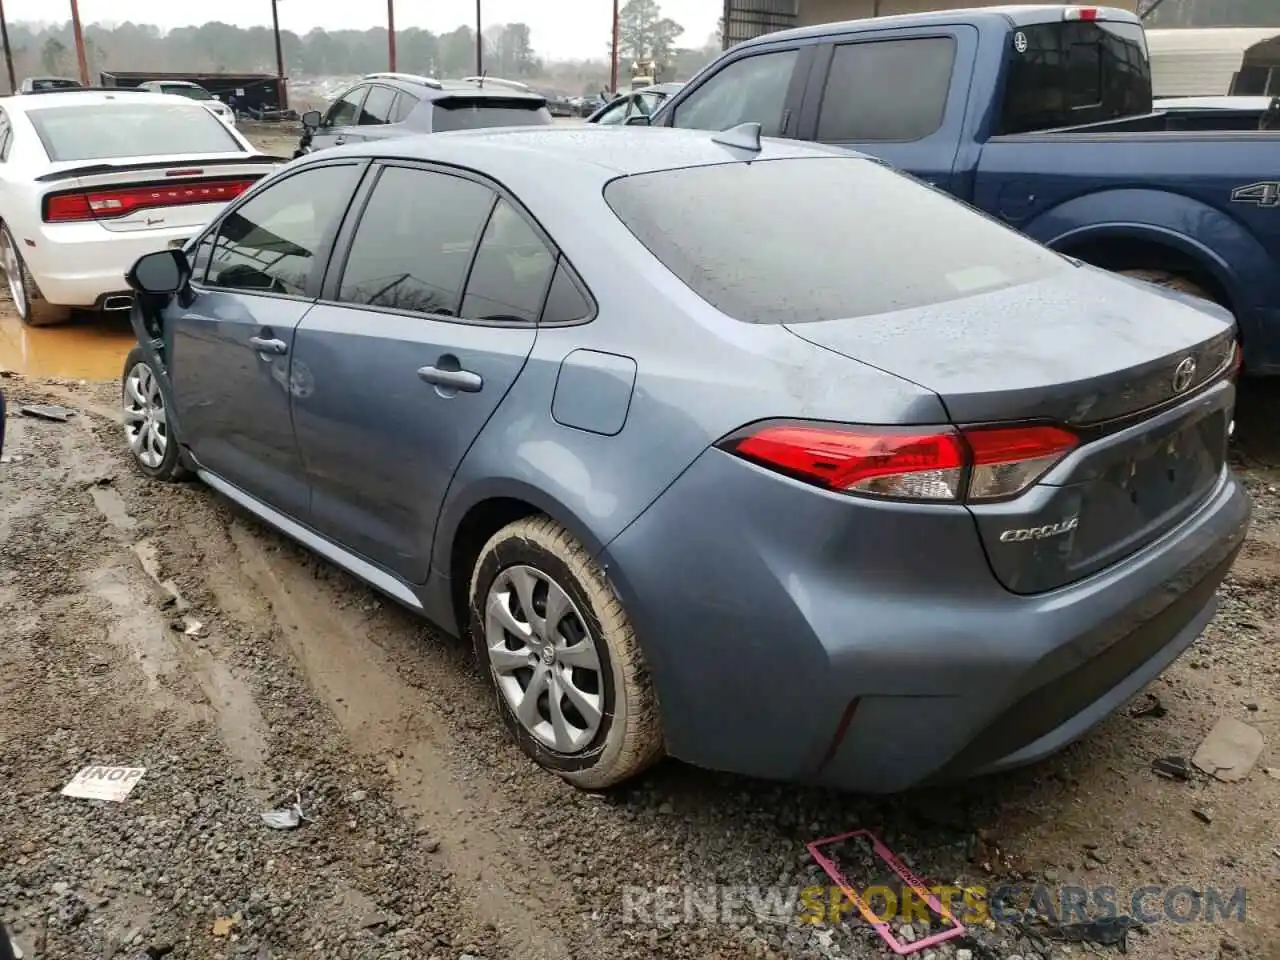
(157, 626)
(430, 835)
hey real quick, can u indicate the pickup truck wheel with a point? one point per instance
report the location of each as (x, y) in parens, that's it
(153, 446)
(559, 649)
(33, 309)
(1171, 280)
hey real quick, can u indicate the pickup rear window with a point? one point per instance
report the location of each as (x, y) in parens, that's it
(1074, 72)
(803, 240)
(473, 113)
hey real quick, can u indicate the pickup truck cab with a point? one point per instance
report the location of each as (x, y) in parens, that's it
(1042, 117)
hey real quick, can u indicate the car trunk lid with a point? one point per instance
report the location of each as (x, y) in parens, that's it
(1137, 374)
(154, 194)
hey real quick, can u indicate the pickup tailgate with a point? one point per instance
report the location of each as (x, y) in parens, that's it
(1138, 375)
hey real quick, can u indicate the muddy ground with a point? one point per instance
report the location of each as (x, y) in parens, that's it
(158, 626)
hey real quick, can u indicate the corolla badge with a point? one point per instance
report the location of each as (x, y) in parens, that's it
(1183, 374)
(1023, 534)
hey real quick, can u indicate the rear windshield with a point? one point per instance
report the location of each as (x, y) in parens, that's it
(55, 84)
(191, 93)
(1063, 74)
(473, 113)
(803, 240)
(107, 131)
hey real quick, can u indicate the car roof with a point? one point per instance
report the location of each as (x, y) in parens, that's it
(82, 98)
(175, 83)
(1015, 14)
(439, 89)
(594, 154)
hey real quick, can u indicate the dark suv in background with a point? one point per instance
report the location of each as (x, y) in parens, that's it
(396, 104)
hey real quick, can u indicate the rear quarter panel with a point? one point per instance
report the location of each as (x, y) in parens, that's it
(699, 375)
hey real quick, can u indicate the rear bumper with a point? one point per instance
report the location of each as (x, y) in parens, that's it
(798, 635)
(78, 264)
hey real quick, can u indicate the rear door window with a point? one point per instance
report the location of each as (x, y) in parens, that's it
(1063, 74)
(377, 106)
(750, 90)
(887, 90)
(512, 269)
(413, 246)
(404, 105)
(820, 239)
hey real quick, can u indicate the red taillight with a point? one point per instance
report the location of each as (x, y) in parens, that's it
(108, 204)
(1007, 460)
(930, 464)
(1080, 13)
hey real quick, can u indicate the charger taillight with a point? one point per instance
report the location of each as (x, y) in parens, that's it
(72, 206)
(937, 464)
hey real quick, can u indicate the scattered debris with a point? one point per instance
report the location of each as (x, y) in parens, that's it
(193, 627)
(1150, 707)
(1230, 750)
(1272, 772)
(222, 926)
(1203, 814)
(104, 783)
(1172, 768)
(47, 411)
(287, 818)
(952, 929)
(1104, 931)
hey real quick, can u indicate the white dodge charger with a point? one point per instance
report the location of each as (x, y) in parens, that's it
(90, 180)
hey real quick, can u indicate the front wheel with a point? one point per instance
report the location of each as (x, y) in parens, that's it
(153, 446)
(552, 636)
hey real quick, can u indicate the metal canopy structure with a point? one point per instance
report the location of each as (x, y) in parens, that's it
(746, 19)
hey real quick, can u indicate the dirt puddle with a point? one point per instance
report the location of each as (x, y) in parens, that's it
(90, 347)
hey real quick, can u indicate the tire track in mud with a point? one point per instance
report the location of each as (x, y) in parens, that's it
(388, 720)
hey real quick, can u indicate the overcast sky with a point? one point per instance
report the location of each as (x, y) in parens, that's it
(561, 28)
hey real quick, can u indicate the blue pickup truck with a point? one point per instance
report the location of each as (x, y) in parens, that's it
(1041, 117)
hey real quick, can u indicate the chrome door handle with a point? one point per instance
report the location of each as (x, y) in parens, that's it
(463, 380)
(268, 346)
(339, 141)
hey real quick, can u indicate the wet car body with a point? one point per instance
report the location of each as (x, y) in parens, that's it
(873, 527)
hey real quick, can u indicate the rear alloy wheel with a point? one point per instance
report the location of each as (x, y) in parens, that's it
(32, 308)
(152, 446)
(570, 679)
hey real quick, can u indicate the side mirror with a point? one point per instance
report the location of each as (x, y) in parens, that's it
(638, 120)
(161, 273)
(311, 120)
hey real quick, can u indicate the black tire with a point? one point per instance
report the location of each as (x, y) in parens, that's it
(31, 307)
(169, 468)
(629, 735)
(1173, 281)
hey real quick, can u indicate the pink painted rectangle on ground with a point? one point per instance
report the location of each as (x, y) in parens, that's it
(913, 882)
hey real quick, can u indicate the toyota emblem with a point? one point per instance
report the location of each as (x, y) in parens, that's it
(1183, 374)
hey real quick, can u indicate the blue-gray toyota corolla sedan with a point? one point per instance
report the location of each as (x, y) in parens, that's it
(752, 453)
